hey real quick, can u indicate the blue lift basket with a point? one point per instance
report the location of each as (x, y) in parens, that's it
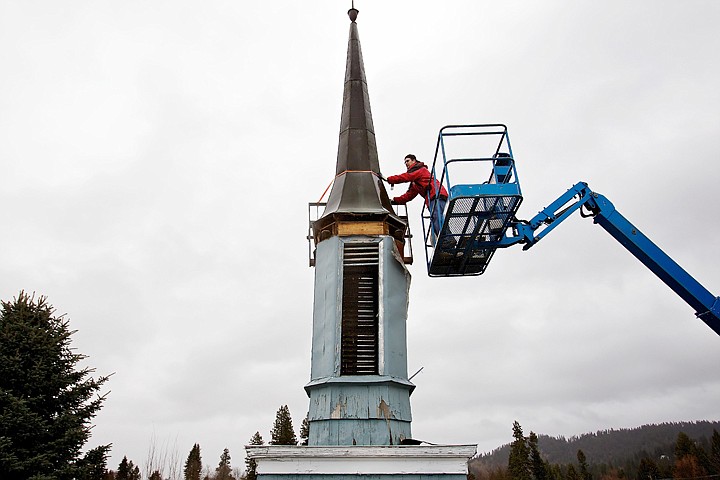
(484, 195)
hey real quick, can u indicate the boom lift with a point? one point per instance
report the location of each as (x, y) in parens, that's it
(480, 218)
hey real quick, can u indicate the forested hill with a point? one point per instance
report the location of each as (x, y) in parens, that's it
(609, 446)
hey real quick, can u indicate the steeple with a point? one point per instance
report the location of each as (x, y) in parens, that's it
(358, 193)
(359, 389)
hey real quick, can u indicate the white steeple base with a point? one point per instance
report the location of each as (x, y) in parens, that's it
(279, 462)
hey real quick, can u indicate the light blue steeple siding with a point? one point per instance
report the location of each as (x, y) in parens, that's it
(350, 413)
(359, 409)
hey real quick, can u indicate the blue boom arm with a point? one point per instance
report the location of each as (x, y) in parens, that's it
(592, 204)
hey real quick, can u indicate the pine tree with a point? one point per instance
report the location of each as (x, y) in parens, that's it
(282, 432)
(127, 470)
(123, 471)
(715, 452)
(46, 402)
(134, 471)
(251, 470)
(537, 465)
(648, 470)
(582, 463)
(224, 470)
(305, 430)
(556, 471)
(571, 473)
(193, 464)
(683, 446)
(519, 455)
(687, 461)
(93, 466)
(156, 475)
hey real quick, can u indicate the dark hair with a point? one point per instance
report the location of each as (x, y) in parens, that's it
(411, 157)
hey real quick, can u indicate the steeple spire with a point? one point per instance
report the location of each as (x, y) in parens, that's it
(357, 149)
(358, 189)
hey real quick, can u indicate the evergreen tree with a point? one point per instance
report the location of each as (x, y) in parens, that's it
(224, 470)
(648, 470)
(46, 402)
(556, 472)
(123, 471)
(156, 475)
(282, 432)
(537, 465)
(683, 446)
(687, 461)
(127, 470)
(582, 463)
(305, 430)
(251, 470)
(193, 464)
(519, 455)
(93, 466)
(571, 473)
(715, 452)
(134, 471)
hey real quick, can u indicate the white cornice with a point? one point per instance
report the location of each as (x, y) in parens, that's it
(404, 459)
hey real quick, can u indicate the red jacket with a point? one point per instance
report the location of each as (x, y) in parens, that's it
(419, 177)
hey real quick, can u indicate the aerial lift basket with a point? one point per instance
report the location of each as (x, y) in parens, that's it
(484, 195)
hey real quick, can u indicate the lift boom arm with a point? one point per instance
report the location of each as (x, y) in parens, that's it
(580, 197)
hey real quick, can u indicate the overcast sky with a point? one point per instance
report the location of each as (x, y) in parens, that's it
(157, 158)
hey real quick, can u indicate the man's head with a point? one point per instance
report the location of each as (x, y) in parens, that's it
(410, 160)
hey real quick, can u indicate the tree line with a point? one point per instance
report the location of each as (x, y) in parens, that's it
(609, 445)
(685, 459)
(282, 433)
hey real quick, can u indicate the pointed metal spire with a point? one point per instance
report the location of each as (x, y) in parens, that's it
(358, 189)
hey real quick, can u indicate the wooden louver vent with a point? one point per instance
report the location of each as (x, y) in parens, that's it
(359, 350)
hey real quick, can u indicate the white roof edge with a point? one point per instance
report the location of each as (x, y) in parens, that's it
(360, 451)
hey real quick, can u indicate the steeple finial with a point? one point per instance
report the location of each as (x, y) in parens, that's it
(353, 12)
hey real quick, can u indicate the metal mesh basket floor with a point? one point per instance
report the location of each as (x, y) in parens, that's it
(471, 224)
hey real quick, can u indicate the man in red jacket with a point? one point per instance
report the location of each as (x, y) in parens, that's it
(433, 192)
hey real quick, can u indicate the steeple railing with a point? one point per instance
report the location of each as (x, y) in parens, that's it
(315, 211)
